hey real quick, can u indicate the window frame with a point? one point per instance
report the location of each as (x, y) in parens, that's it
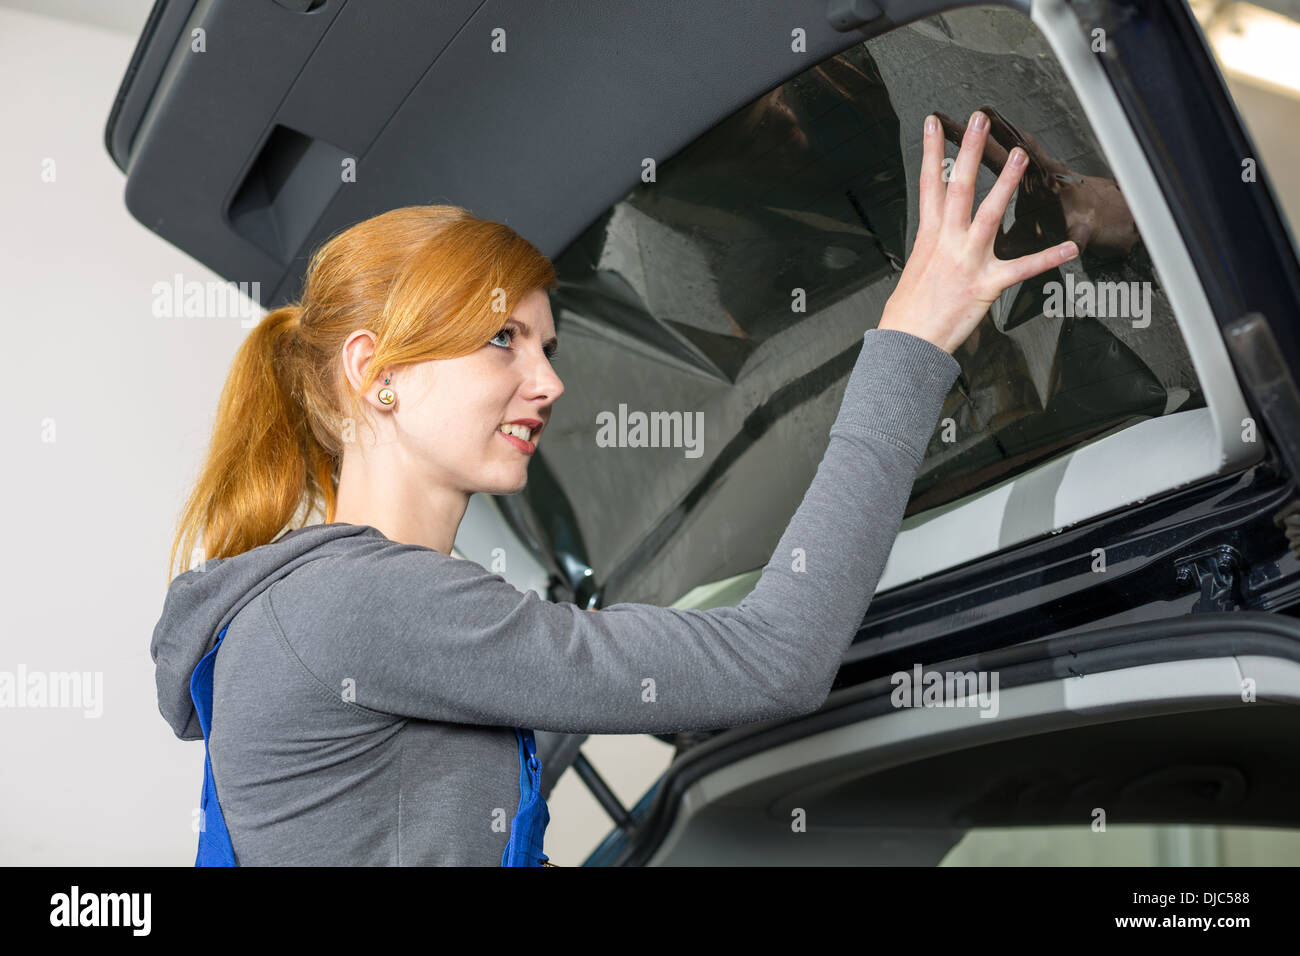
(1120, 469)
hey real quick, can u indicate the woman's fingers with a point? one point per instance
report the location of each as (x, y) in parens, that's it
(995, 154)
(945, 208)
(931, 198)
(988, 219)
(961, 188)
(1007, 272)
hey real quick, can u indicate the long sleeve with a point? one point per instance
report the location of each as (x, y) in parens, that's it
(422, 634)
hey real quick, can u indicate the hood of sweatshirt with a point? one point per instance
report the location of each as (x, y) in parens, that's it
(203, 600)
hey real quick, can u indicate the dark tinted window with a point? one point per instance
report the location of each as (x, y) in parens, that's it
(681, 299)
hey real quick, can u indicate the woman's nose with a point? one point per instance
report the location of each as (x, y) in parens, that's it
(547, 382)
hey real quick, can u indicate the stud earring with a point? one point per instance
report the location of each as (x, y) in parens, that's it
(386, 395)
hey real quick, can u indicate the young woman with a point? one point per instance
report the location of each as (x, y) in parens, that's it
(374, 698)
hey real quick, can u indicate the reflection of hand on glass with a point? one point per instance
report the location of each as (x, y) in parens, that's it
(1055, 202)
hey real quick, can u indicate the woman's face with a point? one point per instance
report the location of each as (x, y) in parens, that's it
(447, 417)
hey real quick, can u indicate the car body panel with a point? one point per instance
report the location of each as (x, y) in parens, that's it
(1184, 720)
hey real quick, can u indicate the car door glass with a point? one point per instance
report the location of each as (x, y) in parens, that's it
(735, 287)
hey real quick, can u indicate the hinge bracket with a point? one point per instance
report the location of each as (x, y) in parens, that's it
(1217, 573)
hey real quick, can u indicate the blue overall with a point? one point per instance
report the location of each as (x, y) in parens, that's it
(215, 849)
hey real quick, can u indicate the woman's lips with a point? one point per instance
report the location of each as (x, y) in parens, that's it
(527, 447)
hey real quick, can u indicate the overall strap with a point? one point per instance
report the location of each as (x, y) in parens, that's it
(527, 830)
(215, 848)
(529, 825)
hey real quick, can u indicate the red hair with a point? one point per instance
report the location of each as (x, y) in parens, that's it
(432, 282)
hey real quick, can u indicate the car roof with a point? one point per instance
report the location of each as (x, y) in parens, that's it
(535, 116)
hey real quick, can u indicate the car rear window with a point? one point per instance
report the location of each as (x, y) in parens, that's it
(738, 284)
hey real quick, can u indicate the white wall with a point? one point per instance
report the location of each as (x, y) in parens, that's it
(130, 400)
(89, 514)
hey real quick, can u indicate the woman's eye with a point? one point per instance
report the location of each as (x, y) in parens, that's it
(510, 334)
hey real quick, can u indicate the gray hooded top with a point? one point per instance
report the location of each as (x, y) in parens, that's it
(366, 692)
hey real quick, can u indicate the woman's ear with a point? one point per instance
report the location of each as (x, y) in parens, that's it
(358, 350)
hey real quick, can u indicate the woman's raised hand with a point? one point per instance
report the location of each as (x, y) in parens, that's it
(952, 277)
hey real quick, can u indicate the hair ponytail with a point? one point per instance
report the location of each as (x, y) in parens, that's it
(427, 280)
(254, 476)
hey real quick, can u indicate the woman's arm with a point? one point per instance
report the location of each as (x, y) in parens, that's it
(425, 635)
